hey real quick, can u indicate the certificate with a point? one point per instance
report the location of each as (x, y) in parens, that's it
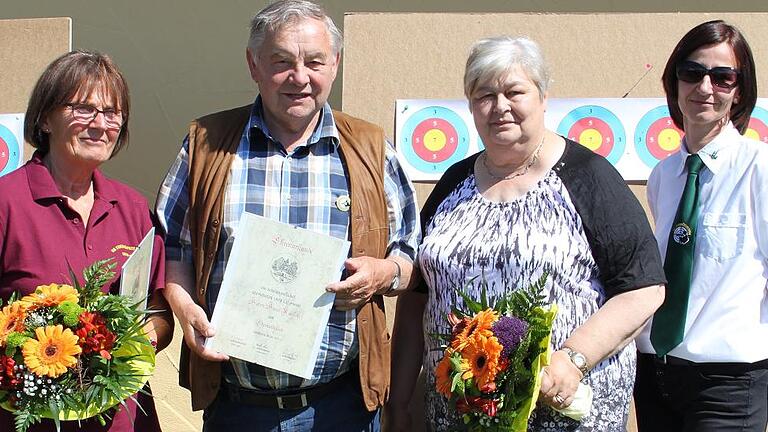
(134, 277)
(272, 308)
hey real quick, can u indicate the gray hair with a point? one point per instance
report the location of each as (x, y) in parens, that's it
(492, 58)
(285, 12)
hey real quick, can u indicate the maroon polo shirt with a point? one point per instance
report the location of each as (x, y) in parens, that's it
(40, 234)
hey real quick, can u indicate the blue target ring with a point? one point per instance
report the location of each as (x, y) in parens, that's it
(9, 151)
(596, 121)
(656, 136)
(446, 128)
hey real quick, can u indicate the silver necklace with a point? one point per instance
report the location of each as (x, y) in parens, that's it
(518, 171)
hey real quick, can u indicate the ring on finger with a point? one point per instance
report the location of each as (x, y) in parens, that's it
(559, 399)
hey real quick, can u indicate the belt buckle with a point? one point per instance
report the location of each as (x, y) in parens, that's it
(286, 402)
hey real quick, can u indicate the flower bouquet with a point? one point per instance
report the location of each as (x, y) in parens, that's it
(70, 352)
(490, 372)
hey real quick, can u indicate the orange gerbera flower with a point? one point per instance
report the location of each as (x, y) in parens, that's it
(52, 352)
(12, 320)
(443, 379)
(51, 295)
(483, 355)
(479, 325)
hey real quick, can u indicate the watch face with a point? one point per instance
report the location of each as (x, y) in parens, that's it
(579, 360)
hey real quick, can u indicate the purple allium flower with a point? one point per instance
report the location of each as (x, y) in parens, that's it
(510, 331)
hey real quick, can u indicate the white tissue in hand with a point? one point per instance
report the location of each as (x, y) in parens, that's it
(582, 403)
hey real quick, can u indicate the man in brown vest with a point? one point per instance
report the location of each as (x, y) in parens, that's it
(290, 158)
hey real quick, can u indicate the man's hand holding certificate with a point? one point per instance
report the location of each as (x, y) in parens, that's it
(272, 308)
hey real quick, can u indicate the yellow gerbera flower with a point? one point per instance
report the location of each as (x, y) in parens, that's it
(483, 355)
(12, 320)
(52, 352)
(51, 295)
(479, 325)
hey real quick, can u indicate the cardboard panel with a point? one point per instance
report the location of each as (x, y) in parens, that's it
(28, 46)
(403, 56)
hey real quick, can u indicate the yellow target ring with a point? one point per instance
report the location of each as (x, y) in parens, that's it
(434, 140)
(591, 139)
(669, 139)
(751, 133)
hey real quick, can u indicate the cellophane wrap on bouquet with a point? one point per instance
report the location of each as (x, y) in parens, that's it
(491, 370)
(71, 352)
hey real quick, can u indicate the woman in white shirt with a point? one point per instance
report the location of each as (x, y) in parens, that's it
(702, 364)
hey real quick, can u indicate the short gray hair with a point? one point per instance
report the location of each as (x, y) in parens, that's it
(492, 58)
(285, 12)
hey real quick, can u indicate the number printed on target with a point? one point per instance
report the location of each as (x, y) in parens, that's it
(433, 139)
(596, 128)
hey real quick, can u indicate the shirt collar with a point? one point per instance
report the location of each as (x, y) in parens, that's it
(713, 153)
(42, 185)
(326, 127)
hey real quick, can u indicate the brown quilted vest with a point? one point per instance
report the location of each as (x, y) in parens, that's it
(213, 141)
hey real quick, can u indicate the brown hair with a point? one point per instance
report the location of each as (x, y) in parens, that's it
(707, 34)
(75, 75)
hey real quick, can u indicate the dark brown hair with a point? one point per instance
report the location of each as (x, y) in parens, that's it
(704, 35)
(73, 77)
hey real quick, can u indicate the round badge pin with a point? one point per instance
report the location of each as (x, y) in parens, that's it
(682, 233)
(343, 203)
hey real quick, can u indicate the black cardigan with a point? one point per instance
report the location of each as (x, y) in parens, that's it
(615, 224)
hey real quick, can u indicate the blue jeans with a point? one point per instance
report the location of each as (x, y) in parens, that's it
(340, 410)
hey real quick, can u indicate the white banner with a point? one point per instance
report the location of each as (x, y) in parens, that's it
(633, 134)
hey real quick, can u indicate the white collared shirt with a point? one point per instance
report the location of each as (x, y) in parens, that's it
(727, 318)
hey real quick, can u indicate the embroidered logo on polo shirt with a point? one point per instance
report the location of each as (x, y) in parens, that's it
(123, 247)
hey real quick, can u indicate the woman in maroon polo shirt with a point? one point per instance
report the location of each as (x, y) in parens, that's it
(59, 210)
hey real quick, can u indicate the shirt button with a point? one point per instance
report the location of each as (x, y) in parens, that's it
(75, 221)
(90, 247)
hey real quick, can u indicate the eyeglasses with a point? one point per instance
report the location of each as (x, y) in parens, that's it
(722, 77)
(85, 114)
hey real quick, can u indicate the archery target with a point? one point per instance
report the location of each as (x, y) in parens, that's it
(433, 139)
(758, 125)
(596, 128)
(9, 151)
(656, 136)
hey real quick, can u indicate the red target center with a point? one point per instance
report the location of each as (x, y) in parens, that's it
(595, 130)
(663, 138)
(4, 156)
(435, 140)
(757, 129)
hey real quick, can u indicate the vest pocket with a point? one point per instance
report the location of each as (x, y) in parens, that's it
(722, 235)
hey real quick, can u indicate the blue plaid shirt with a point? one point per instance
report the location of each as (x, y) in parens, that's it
(298, 188)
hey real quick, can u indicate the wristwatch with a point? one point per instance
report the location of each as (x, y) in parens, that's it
(395, 280)
(578, 359)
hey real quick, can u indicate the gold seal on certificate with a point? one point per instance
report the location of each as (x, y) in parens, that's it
(272, 308)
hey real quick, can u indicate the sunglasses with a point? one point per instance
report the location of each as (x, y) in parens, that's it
(722, 77)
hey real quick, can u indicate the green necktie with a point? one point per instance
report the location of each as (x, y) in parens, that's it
(669, 321)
